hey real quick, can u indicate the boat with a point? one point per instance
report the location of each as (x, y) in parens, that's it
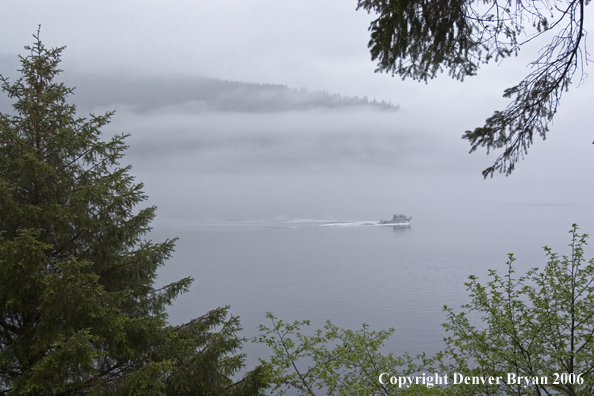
(398, 218)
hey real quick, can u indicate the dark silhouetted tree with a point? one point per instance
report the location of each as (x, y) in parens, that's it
(419, 38)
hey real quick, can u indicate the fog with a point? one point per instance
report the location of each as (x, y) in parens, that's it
(340, 162)
(208, 148)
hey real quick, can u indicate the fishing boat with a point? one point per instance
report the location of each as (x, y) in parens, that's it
(398, 218)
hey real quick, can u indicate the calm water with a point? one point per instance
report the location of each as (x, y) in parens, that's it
(354, 272)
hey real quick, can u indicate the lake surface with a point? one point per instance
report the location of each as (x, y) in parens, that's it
(355, 271)
(275, 212)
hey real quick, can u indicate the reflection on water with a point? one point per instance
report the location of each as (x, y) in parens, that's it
(400, 228)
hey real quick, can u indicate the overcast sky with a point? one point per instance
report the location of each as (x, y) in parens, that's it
(145, 58)
(321, 44)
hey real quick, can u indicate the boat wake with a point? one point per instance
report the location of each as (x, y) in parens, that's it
(277, 223)
(302, 223)
(350, 224)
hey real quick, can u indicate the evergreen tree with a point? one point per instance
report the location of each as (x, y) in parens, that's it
(79, 310)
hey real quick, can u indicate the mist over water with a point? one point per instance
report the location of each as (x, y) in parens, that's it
(278, 212)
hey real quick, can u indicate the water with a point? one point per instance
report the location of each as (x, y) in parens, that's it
(275, 212)
(355, 271)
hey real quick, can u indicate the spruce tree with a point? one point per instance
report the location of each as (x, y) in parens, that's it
(79, 310)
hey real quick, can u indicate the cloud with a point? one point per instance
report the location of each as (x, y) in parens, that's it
(294, 142)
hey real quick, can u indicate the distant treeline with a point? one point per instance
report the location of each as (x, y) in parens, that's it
(209, 94)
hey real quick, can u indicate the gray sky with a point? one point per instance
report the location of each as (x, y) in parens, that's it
(321, 44)
(146, 58)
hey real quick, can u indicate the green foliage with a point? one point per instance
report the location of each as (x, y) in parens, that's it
(334, 361)
(539, 324)
(414, 39)
(79, 313)
(419, 38)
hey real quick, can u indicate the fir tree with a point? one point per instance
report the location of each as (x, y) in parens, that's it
(79, 310)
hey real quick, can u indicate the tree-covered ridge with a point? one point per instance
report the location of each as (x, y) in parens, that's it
(209, 94)
(79, 313)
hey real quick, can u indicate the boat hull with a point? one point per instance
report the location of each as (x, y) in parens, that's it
(397, 219)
